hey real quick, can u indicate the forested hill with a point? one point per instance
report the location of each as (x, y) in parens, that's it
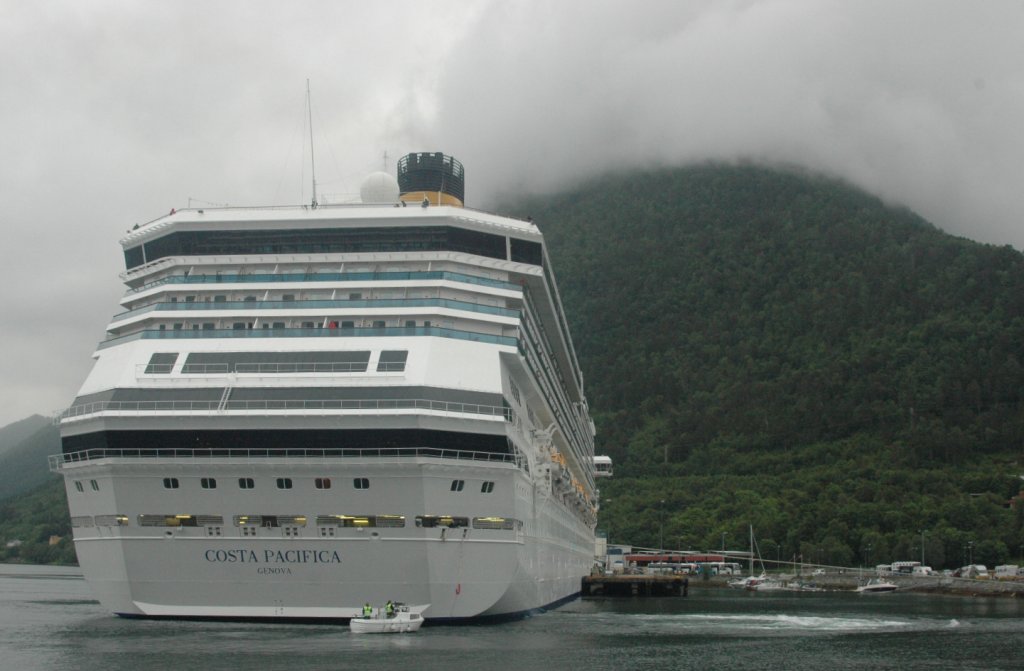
(774, 348)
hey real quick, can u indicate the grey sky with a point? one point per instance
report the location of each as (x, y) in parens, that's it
(114, 112)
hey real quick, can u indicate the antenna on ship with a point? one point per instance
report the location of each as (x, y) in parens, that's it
(312, 158)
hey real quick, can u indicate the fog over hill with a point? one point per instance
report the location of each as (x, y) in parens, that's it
(14, 433)
(23, 464)
(917, 101)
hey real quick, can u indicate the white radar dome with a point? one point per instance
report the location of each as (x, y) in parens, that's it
(379, 187)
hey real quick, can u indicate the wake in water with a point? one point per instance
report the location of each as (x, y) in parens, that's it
(705, 624)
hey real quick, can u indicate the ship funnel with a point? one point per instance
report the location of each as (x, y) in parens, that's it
(431, 178)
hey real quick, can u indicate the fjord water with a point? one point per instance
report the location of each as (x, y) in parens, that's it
(49, 620)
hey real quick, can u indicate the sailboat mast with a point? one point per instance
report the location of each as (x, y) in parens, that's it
(312, 158)
(751, 549)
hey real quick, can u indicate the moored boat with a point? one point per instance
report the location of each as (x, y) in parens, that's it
(877, 586)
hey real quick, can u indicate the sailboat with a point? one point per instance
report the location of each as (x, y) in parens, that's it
(752, 582)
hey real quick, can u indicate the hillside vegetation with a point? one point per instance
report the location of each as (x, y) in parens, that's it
(774, 349)
(33, 506)
(38, 526)
(765, 348)
(24, 466)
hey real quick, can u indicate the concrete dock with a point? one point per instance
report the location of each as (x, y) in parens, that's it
(635, 585)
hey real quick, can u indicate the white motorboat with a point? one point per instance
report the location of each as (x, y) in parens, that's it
(877, 586)
(403, 621)
(765, 584)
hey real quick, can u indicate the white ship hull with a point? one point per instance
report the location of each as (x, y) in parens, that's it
(461, 573)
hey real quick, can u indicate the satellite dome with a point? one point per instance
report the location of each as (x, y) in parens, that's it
(379, 187)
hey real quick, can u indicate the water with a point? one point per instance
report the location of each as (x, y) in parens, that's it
(49, 620)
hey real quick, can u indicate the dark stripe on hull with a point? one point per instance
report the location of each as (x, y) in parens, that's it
(428, 622)
(282, 442)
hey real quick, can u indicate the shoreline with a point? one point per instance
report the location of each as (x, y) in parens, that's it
(941, 585)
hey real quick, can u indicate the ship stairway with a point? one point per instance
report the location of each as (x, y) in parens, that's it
(223, 404)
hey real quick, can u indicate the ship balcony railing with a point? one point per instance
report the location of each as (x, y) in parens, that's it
(289, 455)
(251, 306)
(359, 332)
(220, 405)
(391, 276)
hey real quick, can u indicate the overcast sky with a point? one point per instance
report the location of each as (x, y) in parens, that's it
(111, 113)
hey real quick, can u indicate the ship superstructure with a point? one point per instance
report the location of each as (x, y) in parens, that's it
(299, 410)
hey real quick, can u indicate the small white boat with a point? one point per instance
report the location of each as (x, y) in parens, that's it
(876, 586)
(768, 585)
(403, 621)
(745, 583)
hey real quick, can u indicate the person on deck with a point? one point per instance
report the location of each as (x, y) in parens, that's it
(367, 611)
(389, 608)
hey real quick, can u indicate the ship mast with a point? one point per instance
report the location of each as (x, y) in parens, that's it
(312, 158)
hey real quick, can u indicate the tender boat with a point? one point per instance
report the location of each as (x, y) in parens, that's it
(403, 621)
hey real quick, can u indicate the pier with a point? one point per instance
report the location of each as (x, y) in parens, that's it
(635, 585)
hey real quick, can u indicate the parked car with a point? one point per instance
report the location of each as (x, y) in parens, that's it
(976, 571)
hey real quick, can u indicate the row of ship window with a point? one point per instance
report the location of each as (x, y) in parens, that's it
(486, 487)
(329, 324)
(298, 521)
(287, 298)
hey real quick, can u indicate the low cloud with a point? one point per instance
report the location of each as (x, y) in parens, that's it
(114, 112)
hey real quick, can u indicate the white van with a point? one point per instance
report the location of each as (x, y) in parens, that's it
(1007, 571)
(922, 571)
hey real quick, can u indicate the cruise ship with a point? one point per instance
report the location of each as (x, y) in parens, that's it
(300, 410)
